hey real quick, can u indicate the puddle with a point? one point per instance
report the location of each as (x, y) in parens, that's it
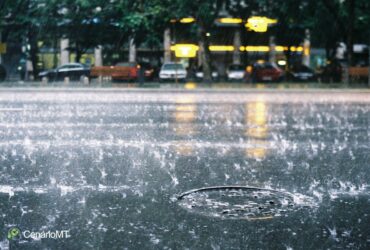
(241, 202)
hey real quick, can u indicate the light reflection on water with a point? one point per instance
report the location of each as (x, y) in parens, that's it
(257, 128)
(108, 170)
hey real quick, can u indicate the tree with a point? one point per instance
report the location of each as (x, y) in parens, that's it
(205, 12)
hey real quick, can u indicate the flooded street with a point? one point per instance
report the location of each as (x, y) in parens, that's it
(110, 165)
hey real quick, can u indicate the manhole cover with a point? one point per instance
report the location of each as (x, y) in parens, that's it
(237, 202)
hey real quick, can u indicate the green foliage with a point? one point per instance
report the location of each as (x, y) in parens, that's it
(88, 23)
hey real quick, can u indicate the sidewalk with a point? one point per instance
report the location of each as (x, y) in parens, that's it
(186, 86)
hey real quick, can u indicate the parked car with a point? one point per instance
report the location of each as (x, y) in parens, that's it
(199, 73)
(235, 72)
(172, 71)
(300, 72)
(266, 72)
(75, 71)
(121, 71)
(150, 73)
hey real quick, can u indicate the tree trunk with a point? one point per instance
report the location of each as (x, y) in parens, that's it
(167, 45)
(351, 24)
(206, 57)
(132, 51)
(64, 51)
(33, 54)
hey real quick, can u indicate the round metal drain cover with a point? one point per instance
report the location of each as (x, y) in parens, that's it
(237, 202)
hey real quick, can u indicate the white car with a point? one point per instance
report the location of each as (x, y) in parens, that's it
(172, 71)
(235, 72)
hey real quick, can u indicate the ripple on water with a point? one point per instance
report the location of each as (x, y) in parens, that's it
(240, 202)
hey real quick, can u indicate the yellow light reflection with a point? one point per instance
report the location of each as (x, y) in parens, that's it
(258, 150)
(190, 85)
(257, 129)
(185, 114)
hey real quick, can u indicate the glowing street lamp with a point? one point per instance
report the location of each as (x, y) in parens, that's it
(259, 24)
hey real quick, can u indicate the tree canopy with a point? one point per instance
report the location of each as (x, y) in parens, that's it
(89, 23)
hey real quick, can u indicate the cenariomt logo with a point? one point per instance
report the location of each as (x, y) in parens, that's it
(15, 233)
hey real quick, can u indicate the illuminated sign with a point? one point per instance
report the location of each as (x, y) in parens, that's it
(229, 20)
(259, 24)
(187, 20)
(221, 48)
(185, 50)
(190, 50)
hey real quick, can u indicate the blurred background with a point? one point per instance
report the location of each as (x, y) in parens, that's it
(199, 41)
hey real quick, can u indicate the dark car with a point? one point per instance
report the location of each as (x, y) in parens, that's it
(199, 73)
(300, 73)
(74, 71)
(266, 72)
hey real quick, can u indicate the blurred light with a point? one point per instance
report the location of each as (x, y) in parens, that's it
(208, 34)
(230, 20)
(296, 49)
(306, 51)
(258, 150)
(190, 85)
(257, 48)
(185, 50)
(187, 20)
(189, 50)
(259, 24)
(249, 69)
(257, 129)
(221, 48)
(185, 114)
(282, 62)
